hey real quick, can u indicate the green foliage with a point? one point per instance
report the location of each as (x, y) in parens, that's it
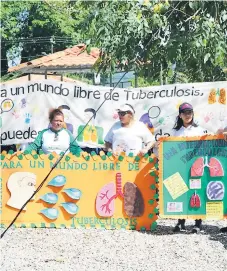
(145, 36)
(152, 35)
(86, 78)
(38, 25)
(10, 76)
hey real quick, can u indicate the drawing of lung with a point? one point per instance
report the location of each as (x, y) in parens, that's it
(215, 190)
(216, 168)
(197, 168)
(105, 206)
(133, 200)
(195, 201)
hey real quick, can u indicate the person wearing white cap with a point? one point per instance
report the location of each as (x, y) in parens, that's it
(185, 126)
(129, 135)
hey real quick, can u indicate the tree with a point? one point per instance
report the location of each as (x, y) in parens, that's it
(152, 36)
(40, 27)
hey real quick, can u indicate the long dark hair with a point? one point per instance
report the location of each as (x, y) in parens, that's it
(179, 123)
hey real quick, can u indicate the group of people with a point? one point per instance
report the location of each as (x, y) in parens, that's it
(127, 135)
(134, 137)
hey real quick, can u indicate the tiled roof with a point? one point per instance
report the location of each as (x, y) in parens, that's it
(71, 57)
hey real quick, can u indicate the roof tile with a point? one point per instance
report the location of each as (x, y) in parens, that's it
(70, 57)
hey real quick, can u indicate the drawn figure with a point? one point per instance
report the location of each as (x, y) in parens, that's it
(67, 117)
(51, 213)
(214, 165)
(21, 186)
(153, 113)
(222, 96)
(27, 119)
(133, 200)
(6, 105)
(16, 113)
(115, 116)
(146, 120)
(91, 133)
(23, 103)
(195, 201)
(209, 116)
(212, 96)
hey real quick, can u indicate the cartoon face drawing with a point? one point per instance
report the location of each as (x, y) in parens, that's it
(90, 114)
(21, 186)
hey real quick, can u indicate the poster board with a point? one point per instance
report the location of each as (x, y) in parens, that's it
(25, 108)
(193, 177)
(89, 191)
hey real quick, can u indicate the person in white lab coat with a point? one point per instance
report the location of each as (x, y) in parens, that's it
(185, 126)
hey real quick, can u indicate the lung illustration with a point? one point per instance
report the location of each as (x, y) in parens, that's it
(132, 197)
(215, 168)
(214, 165)
(197, 168)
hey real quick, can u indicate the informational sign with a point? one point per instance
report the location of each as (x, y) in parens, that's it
(193, 177)
(89, 191)
(25, 108)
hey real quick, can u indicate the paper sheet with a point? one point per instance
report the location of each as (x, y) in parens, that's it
(195, 183)
(175, 185)
(214, 210)
(175, 207)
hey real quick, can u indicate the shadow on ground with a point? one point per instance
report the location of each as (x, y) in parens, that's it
(212, 231)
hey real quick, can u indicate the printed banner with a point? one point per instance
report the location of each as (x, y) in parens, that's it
(193, 177)
(25, 108)
(81, 192)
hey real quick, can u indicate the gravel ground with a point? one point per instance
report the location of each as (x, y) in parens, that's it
(72, 249)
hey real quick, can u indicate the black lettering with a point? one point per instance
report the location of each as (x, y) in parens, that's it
(142, 95)
(32, 87)
(180, 93)
(127, 93)
(135, 96)
(19, 134)
(156, 92)
(197, 91)
(150, 95)
(96, 94)
(187, 92)
(160, 94)
(3, 93)
(115, 96)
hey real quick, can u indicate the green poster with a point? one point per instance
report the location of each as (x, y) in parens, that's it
(193, 177)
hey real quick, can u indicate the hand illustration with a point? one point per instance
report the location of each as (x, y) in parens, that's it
(16, 113)
(27, 118)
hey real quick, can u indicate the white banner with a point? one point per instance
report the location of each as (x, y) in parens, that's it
(25, 108)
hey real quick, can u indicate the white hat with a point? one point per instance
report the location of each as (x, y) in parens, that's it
(126, 107)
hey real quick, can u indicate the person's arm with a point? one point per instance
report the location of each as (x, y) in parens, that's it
(109, 140)
(108, 146)
(37, 144)
(74, 147)
(148, 139)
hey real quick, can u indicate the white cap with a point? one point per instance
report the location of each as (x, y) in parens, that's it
(126, 107)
